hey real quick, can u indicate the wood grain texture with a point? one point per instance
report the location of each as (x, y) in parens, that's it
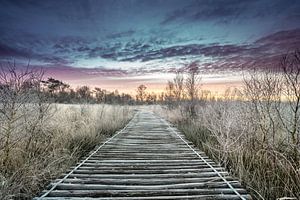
(146, 160)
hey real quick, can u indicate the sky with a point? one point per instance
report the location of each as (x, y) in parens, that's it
(120, 44)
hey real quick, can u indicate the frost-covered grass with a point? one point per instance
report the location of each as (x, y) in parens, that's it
(229, 132)
(41, 150)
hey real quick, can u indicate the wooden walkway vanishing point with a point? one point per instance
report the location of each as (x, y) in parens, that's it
(147, 159)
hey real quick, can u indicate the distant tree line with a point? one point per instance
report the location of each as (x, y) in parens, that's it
(61, 92)
(184, 89)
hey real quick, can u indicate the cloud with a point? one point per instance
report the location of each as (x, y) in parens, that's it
(277, 43)
(232, 11)
(222, 11)
(263, 53)
(156, 45)
(211, 50)
(121, 34)
(286, 40)
(7, 51)
(177, 14)
(67, 73)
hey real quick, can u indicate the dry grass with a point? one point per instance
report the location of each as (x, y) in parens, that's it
(66, 134)
(229, 133)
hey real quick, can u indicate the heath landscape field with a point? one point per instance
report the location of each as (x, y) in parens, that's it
(149, 99)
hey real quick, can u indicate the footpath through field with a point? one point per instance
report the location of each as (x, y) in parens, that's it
(147, 159)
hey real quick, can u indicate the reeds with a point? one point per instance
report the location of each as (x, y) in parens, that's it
(39, 152)
(228, 131)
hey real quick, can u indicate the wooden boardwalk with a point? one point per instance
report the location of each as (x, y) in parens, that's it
(148, 159)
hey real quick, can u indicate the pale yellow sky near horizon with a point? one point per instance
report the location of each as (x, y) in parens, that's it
(215, 86)
(155, 82)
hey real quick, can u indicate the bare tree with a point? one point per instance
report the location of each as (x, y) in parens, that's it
(99, 94)
(141, 93)
(35, 115)
(151, 98)
(178, 86)
(18, 89)
(169, 94)
(192, 86)
(290, 66)
(263, 90)
(232, 94)
(84, 93)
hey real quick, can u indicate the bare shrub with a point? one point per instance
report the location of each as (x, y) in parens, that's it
(255, 136)
(18, 91)
(291, 90)
(141, 93)
(179, 87)
(192, 86)
(72, 131)
(40, 140)
(263, 90)
(169, 95)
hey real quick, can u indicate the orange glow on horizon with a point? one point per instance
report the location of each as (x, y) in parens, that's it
(214, 88)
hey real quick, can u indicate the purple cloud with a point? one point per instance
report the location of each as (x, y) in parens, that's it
(7, 51)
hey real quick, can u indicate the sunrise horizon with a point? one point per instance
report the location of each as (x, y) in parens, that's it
(149, 99)
(119, 45)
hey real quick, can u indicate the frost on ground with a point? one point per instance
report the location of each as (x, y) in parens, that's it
(35, 149)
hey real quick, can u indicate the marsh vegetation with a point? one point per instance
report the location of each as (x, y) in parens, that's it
(39, 140)
(253, 131)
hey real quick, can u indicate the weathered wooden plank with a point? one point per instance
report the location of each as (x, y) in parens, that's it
(214, 185)
(149, 181)
(146, 167)
(175, 151)
(133, 160)
(199, 164)
(149, 160)
(146, 155)
(193, 197)
(128, 176)
(163, 162)
(141, 171)
(118, 193)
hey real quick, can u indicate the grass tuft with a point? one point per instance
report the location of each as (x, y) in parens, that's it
(43, 152)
